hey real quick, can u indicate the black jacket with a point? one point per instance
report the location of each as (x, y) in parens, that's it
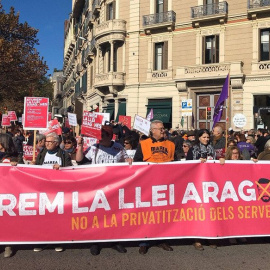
(65, 157)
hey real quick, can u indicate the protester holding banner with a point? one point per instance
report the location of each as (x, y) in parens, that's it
(8, 154)
(52, 154)
(155, 149)
(106, 151)
(130, 144)
(203, 151)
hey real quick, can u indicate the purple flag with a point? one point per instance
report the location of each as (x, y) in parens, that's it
(221, 100)
(150, 115)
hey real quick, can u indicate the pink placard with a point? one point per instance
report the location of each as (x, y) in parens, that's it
(126, 120)
(5, 120)
(12, 115)
(91, 126)
(36, 113)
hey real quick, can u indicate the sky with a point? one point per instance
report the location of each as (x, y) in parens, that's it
(48, 17)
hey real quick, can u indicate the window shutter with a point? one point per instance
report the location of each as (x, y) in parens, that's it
(217, 49)
(107, 12)
(203, 50)
(165, 5)
(154, 57)
(165, 55)
(91, 76)
(114, 9)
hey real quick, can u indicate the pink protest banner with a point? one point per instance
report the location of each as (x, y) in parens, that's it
(123, 202)
(91, 125)
(5, 120)
(35, 113)
(53, 126)
(28, 152)
(126, 120)
(12, 115)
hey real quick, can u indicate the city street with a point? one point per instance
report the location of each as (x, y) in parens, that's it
(254, 255)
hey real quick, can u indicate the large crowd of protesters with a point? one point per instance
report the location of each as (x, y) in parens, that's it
(118, 143)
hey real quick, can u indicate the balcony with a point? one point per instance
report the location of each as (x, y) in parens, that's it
(159, 21)
(260, 68)
(258, 6)
(89, 53)
(111, 80)
(115, 29)
(211, 12)
(211, 71)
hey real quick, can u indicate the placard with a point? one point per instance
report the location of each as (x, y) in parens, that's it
(125, 120)
(141, 124)
(91, 126)
(12, 115)
(72, 119)
(36, 113)
(5, 120)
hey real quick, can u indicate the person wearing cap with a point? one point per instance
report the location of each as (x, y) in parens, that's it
(155, 149)
(191, 136)
(106, 151)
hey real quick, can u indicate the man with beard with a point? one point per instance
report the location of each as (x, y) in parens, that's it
(263, 184)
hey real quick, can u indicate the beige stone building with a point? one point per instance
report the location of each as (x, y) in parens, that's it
(128, 56)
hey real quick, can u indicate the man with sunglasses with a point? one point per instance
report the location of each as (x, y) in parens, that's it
(106, 151)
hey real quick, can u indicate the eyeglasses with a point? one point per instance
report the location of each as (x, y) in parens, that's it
(159, 128)
(235, 153)
(51, 142)
(185, 145)
(126, 143)
(68, 142)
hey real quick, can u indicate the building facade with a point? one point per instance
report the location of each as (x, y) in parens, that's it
(126, 57)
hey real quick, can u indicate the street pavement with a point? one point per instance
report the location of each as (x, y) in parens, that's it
(254, 255)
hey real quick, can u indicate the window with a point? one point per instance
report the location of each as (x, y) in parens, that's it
(264, 45)
(210, 49)
(161, 6)
(115, 58)
(111, 11)
(161, 56)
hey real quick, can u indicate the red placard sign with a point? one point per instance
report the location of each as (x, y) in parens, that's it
(91, 126)
(12, 115)
(35, 113)
(54, 126)
(126, 120)
(28, 152)
(5, 120)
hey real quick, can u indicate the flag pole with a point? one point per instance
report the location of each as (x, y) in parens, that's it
(227, 114)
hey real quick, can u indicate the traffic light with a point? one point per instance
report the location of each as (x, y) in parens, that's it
(208, 113)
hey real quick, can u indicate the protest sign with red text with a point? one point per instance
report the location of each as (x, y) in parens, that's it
(91, 125)
(36, 113)
(125, 120)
